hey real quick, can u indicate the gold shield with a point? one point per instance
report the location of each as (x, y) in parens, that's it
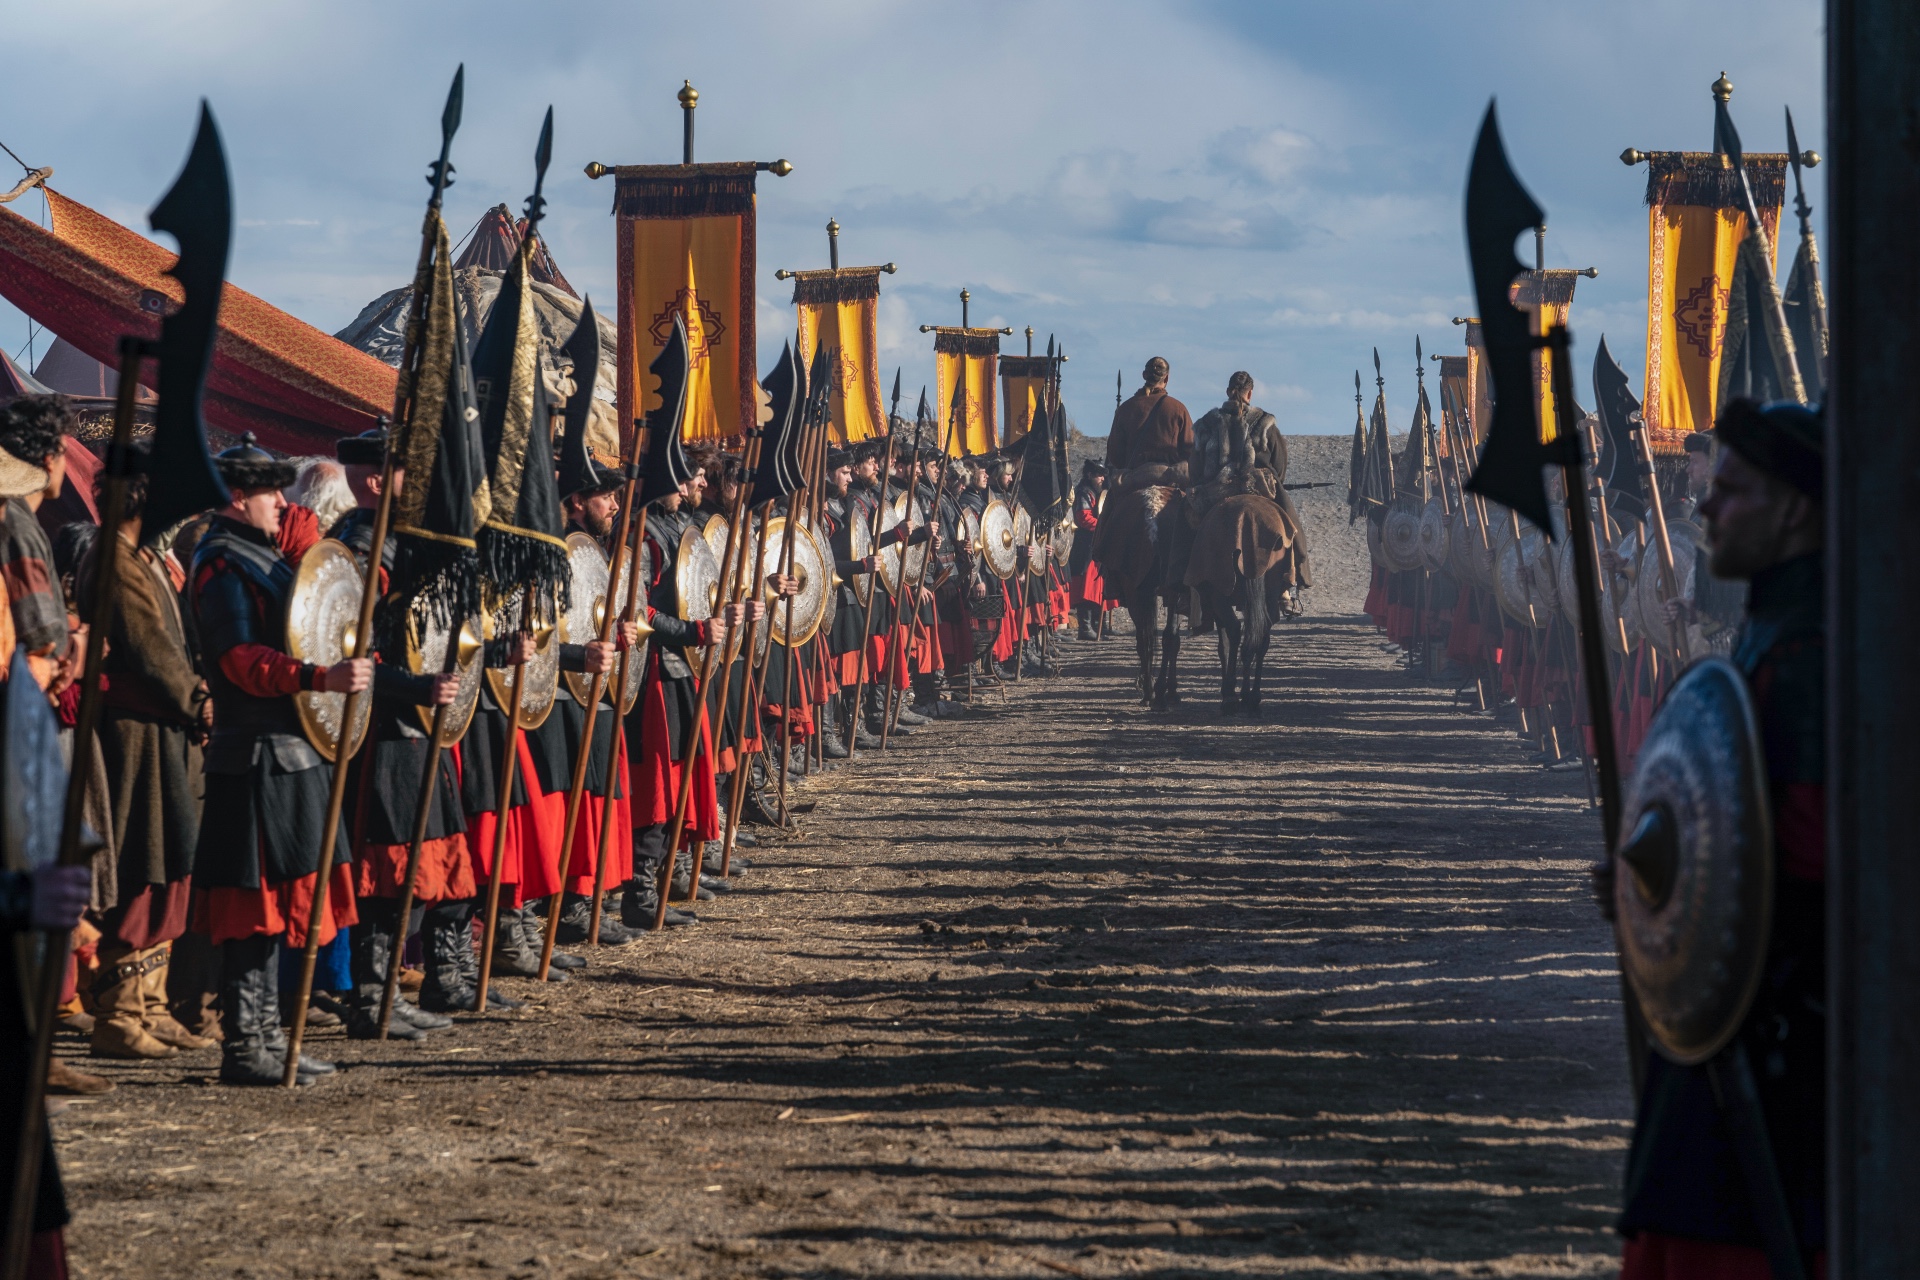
(323, 615)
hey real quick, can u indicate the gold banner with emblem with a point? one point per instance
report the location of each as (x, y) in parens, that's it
(686, 244)
(840, 307)
(968, 358)
(1024, 384)
(1694, 229)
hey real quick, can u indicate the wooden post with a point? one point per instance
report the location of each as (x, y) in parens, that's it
(1873, 581)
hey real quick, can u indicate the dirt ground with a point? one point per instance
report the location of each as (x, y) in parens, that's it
(1064, 988)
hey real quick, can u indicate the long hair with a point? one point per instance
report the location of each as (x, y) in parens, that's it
(321, 487)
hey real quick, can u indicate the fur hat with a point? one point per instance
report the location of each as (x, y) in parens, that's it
(838, 458)
(368, 449)
(248, 466)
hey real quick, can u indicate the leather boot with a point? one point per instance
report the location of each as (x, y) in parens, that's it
(641, 900)
(446, 942)
(863, 738)
(161, 1024)
(576, 916)
(120, 1004)
(250, 1014)
(534, 929)
(515, 953)
(371, 952)
(190, 985)
(67, 1080)
(683, 882)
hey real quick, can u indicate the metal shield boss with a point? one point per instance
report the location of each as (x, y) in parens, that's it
(542, 672)
(997, 541)
(1400, 540)
(1434, 536)
(1693, 888)
(323, 614)
(716, 531)
(427, 650)
(1060, 545)
(581, 623)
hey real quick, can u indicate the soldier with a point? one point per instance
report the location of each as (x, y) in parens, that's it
(1088, 599)
(670, 704)
(386, 791)
(1150, 430)
(156, 709)
(1712, 612)
(1687, 1207)
(1236, 448)
(258, 852)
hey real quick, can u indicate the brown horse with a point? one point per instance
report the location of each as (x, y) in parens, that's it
(1141, 545)
(1248, 557)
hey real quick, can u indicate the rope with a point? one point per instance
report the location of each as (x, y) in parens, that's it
(16, 159)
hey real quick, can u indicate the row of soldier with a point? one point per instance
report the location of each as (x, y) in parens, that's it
(1466, 593)
(211, 796)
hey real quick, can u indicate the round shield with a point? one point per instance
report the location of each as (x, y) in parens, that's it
(581, 623)
(426, 650)
(1510, 582)
(1435, 554)
(997, 542)
(323, 616)
(1022, 525)
(1684, 537)
(1374, 554)
(1694, 889)
(542, 672)
(1062, 548)
(1536, 556)
(715, 531)
(1400, 540)
(859, 547)
(810, 567)
(696, 577)
(637, 663)
(1618, 613)
(913, 559)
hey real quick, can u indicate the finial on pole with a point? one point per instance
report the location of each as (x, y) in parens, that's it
(1722, 88)
(1029, 340)
(689, 99)
(833, 244)
(964, 296)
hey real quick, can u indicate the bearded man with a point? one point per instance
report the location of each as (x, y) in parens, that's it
(1688, 1212)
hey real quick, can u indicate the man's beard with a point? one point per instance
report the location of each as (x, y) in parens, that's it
(596, 526)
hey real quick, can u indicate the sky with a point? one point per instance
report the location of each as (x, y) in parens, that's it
(1273, 187)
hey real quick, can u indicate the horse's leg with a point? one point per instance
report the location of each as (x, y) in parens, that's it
(1166, 690)
(1145, 613)
(1228, 624)
(1258, 626)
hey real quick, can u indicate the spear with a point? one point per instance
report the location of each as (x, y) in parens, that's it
(1756, 252)
(440, 172)
(1816, 292)
(895, 660)
(866, 628)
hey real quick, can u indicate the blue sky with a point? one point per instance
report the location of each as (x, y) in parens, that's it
(1274, 187)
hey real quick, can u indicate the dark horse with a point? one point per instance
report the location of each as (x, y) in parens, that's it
(1247, 560)
(1142, 545)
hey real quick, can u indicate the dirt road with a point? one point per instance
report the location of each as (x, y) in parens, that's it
(1061, 989)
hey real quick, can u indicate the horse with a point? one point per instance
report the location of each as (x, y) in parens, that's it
(1247, 564)
(1141, 546)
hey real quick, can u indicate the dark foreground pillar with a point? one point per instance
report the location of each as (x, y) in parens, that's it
(1873, 554)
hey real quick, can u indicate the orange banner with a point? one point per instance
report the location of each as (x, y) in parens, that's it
(970, 359)
(1025, 382)
(686, 246)
(1694, 230)
(841, 309)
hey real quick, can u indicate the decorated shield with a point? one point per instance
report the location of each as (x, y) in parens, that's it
(810, 568)
(1400, 540)
(696, 577)
(581, 623)
(912, 559)
(1510, 583)
(859, 547)
(1694, 887)
(1435, 530)
(542, 672)
(1061, 539)
(1536, 555)
(1619, 602)
(997, 542)
(1374, 555)
(637, 663)
(426, 650)
(323, 613)
(1684, 537)
(715, 531)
